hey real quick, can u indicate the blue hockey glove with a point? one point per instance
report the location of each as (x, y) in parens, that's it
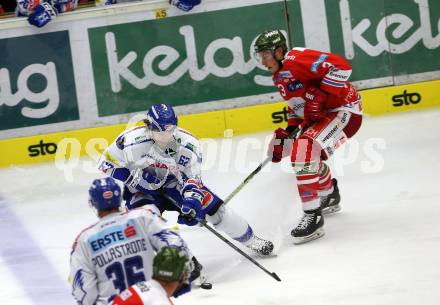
(184, 288)
(143, 181)
(42, 14)
(191, 208)
(185, 5)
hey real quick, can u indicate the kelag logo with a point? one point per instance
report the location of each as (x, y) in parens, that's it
(280, 116)
(134, 67)
(42, 149)
(37, 84)
(406, 99)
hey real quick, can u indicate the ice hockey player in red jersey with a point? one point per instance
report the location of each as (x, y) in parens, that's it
(324, 111)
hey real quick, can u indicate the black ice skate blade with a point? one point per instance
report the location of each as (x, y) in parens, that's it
(302, 240)
(331, 210)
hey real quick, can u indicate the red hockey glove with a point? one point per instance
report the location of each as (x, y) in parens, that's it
(277, 145)
(314, 106)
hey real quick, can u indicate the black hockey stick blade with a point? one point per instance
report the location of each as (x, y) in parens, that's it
(275, 276)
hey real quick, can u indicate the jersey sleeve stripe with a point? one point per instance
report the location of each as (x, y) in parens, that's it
(333, 83)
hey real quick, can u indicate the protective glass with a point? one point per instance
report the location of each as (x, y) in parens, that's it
(263, 55)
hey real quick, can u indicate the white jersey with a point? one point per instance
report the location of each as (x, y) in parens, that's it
(26, 7)
(117, 252)
(143, 293)
(173, 166)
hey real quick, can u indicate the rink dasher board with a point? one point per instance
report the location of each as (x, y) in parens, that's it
(98, 66)
(214, 124)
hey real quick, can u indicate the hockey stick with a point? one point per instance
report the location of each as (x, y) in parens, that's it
(292, 135)
(205, 224)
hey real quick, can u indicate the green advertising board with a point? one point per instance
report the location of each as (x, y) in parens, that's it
(123, 60)
(207, 56)
(37, 84)
(384, 38)
(181, 60)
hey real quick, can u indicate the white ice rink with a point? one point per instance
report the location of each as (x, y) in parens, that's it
(383, 247)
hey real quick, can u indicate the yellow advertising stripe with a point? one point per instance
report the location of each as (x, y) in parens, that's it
(256, 118)
(42, 148)
(244, 120)
(401, 98)
(204, 125)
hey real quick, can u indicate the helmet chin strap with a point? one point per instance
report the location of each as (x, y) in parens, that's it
(280, 62)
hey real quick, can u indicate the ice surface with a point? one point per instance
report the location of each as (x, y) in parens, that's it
(382, 248)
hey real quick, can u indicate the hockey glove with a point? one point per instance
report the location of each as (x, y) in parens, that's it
(278, 147)
(192, 211)
(42, 14)
(185, 5)
(143, 181)
(314, 106)
(182, 289)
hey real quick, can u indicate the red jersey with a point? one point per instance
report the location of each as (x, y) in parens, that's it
(303, 68)
(143, 293)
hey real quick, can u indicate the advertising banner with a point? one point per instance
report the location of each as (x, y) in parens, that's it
(384, 38)
(181, 60)
(37, 85)
(98, 67)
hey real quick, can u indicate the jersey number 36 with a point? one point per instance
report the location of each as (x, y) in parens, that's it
(126, 274)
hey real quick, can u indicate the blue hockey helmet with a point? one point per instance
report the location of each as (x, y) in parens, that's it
(161, 122)
(161, 117)
(105, 194)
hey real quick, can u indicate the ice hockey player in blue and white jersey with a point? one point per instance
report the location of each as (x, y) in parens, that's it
(159, 161)
(117, 251)
(41, 12)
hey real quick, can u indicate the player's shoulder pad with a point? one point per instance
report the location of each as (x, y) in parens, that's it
(293, 54)
(81, 236)
(187, 140)
(132, 136)
(145, 211)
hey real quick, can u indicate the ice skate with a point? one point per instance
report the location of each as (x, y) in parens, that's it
(309, 228)
(260, 246)
(330, 203)
(197, 278)
(196, 271)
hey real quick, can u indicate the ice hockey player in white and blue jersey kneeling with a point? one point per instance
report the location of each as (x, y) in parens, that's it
(117, 251)
(160, 163)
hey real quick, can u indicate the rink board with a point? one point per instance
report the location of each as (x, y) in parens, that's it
(215, 124)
